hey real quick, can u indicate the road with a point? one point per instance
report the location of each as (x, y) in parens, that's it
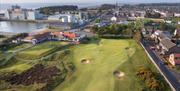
(173, 82)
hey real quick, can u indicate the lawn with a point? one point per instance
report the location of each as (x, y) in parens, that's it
(41, 49)
(106, 56)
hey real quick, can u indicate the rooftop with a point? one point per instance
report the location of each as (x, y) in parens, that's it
(167, 43)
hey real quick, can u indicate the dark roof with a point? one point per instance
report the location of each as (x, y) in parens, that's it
(174, 49)
(167, 43)
(165, 35)
(39, 36)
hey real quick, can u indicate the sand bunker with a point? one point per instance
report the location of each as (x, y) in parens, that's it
(85, 61)
(127, 48)
(118, 74)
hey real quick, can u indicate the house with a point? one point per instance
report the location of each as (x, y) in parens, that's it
(176, 14)
(57, 36)
(174, 59)
(164, 42)
(113, 19)
(158, 35)
(40, 38)
(146, 33)
(166, 46)
(176, 37)
(67, 36)
(37, 38)
(177, 33)
(70, 36)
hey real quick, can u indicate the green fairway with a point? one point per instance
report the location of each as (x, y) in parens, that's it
(106, 57)
(40, 50)
(25, 45)
(17, 67)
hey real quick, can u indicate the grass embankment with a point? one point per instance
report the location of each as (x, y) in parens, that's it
(22, 46)
(106, 56)
(41, 50)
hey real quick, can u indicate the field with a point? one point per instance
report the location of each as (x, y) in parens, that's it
(106, 57)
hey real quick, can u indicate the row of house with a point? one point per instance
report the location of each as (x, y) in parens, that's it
(44, 35)
(166, 43)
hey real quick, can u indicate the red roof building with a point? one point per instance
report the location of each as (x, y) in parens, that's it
(69, 35)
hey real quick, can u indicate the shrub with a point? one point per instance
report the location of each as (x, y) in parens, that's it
(152, 81)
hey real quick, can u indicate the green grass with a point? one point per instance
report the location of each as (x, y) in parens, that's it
(107, 56)
(1, 55)
(40, 49)
(24, 45)
(17, 67)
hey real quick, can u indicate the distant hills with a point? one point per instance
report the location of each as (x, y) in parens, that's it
(159, 4)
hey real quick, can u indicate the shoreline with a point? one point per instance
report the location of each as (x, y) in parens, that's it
(31, 21)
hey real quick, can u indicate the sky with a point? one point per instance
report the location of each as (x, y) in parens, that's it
(87, 1)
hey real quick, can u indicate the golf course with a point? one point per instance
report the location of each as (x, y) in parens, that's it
(106, 56)
(83, 67)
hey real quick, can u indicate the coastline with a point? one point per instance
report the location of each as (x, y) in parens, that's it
(31, 21)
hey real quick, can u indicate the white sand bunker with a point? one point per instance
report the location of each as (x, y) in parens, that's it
(118, 74)
(85, 61)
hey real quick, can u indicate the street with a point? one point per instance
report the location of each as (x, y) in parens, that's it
(162, 68)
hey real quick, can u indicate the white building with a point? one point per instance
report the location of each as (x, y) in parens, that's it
(17, 13)
(80, 15)
(113, 19)
(33, 15)
(178, 22)
(64, 18)
(176, 14)
(7, 15)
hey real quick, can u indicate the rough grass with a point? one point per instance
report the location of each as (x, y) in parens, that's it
(33, 87)
(107, 56)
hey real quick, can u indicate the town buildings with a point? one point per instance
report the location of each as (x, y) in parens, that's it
(166, 44)
(18, 13)
(70, 17)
